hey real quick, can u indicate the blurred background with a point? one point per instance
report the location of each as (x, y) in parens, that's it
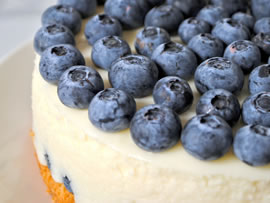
(19, 20)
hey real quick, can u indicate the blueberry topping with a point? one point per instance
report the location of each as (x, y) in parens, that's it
(47, 161)
(155, 128)
(207, 137)
(259, 79)
(67, 184)
(252, 145)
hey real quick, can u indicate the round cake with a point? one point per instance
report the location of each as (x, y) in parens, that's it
(82, 163)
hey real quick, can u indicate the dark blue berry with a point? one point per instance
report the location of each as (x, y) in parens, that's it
(259, 79)
(256, 109)
(130, 13)
(206, 46)
(112, 110)
(207, 137)
(219, 73)
(252, 145)
(231, 6)
(149, 38)
(58, 58)
(219, 102)
(228, 31)
(244, 53)
(63, 14)
(85, 7)
(211, 14)
(165, 16)
(67, 184)
(135, 74)
(260, 8)
(155, 128)
(191, 27)
(173, 92)
(244, 18)
(174, 59)
(48, 162)
(262, 25)
(53, 34)
(78, 85)
(106, 50)
(263, 42)
(101, 26)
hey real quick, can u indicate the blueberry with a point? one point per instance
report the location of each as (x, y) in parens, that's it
(165, 16)
(207, 137)
(107, 49)
(85, 7)
(211, 14)
(206, 46)
(244, 53)
(53, 34)
(48, 162)
(188, 7)
(63, 14)
(78, 85)
(191, 27)
(256, 109)
(58, 58)
(67, 184)
(173, 92)
(231, 6)
(155, 128)
(263, 42)
(244, 18)
(262, 25)
(112, 110)
(100, 26)
(150, 38)
(252, 145)
(260, 8)
(220, 102)
(259, 79)
(130, 13)
(134, 74)
(174, 59)
(219, 73)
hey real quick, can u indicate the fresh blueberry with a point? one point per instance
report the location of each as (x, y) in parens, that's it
(150, 38)
(207, 137)
(155, 128)
(244, 18)
(188, 7)
(263, 42)
(130, 13)
(259, 79)
(135, 74)
(63, 14)
(58, 58)
(78, 85)
(206, 46)
(211, 14)
(52, 34)
(252, 145)
(48, 162)
(107, 49)
(100, 26)
(228, 31)
(191, 27)
(260, 8)
(85, 7)
(219, 73)
(262, 25)
(256, 109)
(67, 184)
(220, 102)
(174, 59)
(231, 6)
(112, 110)
(245, 54)
(173, 92)
(165, 16)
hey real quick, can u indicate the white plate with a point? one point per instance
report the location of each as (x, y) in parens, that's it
(20, 180)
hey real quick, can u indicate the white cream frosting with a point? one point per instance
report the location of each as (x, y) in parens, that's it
(109, 167)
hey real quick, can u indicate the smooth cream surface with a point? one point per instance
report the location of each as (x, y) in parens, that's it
(109, 167)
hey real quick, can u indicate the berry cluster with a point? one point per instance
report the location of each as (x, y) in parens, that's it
(221, 42)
